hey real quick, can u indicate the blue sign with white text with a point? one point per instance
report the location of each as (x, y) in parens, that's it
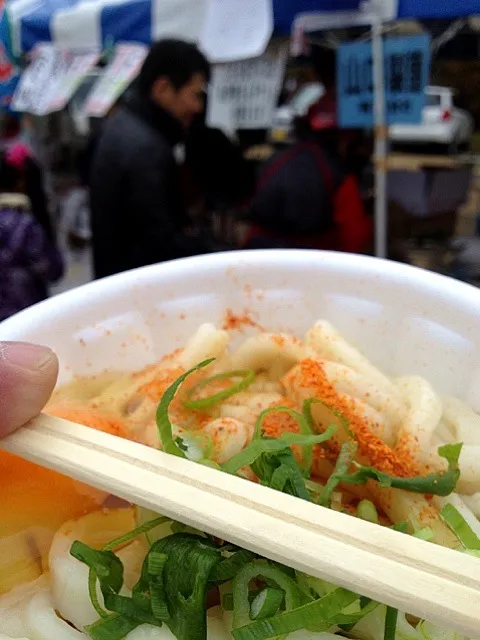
(406, 68)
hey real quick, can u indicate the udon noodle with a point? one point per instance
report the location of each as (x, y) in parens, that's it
(346, 436)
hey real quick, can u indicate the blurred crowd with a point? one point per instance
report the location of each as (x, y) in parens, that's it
(155, 172)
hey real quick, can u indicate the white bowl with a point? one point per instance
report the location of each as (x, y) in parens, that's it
(405, 319)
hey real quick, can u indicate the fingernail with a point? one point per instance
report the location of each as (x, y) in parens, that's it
(25, 355)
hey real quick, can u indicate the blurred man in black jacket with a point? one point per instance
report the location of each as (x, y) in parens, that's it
(138, 216)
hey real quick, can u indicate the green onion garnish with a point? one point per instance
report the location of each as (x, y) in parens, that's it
(305, 429)
(401, 527)
(438, 484)
(227, 569)
(104, 566)
(136, 533)
(246, 379)
(185, 578)
(266, 603)
(272, 460)
(320, 614)
(112, 627)
(273, 445)
(344, 460)
(391, 618)
(366, 510)
(426, 533)
(334, 416)
(163, 421)
(293, 595)
(460, 527)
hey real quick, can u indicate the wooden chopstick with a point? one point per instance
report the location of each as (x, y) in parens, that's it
(412, 575)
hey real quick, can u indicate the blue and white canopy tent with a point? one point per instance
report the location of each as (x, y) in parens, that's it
(93, 23)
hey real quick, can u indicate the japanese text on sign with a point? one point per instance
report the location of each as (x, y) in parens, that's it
(119, 74)
(51, 79)
(248, 90)
(34, 91)
(406, 69)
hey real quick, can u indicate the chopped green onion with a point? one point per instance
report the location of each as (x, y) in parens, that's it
(273, 445)
(266, 603)
(305, 429)
(92, 592)
(460, 527)
(344, 460)
(113, 627)
(227, 599)
(136, 533)
(401, 527)
(144, 516)
(391, 618)
(126, 607)
(228, 568)
(346, 621)
(185, 576)
(179, 527)
(195, 446)
(294, 597)
(320, 614)
(320, 587)
(334, 417)
(302, 581)
(314, 487)
(163, 421)
(426, 533)
(366, 510)
(272, 459)
(281, 473)
(102, 565)
(247, 377)
(210, 463)
(438, 484)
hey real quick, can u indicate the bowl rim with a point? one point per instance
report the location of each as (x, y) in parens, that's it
(452, 290)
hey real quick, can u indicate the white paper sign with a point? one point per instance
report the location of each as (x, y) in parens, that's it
(39, 80)
(118, 75)
(79, 66)
(236, 29)
(247, 91)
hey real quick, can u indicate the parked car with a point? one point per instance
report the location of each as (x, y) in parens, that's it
(442, 123)
(297, 106)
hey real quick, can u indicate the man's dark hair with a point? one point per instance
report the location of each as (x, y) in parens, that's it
(175, 59)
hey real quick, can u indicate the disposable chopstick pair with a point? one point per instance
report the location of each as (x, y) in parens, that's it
(412, 575)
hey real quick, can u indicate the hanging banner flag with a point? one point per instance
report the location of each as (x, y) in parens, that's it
(79, 65)
(406, 74)
(234, 30)
(9, 72)
(246, 90)
(33, 95)
(119, 74)
(51, 79)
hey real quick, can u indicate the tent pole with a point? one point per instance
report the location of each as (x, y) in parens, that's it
(381, 134)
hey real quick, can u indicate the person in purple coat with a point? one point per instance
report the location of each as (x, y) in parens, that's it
(29, 259)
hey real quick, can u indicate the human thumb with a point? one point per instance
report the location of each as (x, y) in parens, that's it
(28, 374)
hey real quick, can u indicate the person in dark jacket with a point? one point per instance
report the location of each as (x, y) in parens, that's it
(217, 164)
(138, 216)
